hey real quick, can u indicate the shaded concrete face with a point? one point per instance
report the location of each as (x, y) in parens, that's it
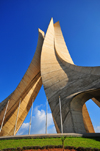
(53, 67)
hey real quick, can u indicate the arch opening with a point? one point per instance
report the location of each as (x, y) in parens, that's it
(94, 113)
(80, 116)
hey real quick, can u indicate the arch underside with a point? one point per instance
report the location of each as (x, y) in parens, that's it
(54, 68)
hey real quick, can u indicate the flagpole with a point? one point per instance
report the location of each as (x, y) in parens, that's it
(4, 116)
(60, 115)
(46, 114)
(30, 118)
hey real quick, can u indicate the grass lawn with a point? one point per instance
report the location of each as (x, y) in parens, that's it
(69, 141)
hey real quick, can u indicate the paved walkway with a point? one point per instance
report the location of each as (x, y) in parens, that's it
(90, 135)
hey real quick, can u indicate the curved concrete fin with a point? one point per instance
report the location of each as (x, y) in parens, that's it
(60, 44)
(27, 90)
(49, 65)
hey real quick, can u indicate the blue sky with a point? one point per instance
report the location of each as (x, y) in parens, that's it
(19, 23)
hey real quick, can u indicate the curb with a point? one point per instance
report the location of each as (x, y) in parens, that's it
(50, 147)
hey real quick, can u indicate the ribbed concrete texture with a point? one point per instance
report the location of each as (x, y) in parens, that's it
(54, 68)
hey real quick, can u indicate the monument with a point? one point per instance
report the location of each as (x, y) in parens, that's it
(53, 67)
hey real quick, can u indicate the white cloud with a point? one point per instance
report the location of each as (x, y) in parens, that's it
(24, 129)
(38, 123)
(52, 130)
(97, 129)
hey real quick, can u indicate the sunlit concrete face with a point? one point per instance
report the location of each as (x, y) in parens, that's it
(53, 67)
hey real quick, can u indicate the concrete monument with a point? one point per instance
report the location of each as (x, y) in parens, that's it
(53, 67)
